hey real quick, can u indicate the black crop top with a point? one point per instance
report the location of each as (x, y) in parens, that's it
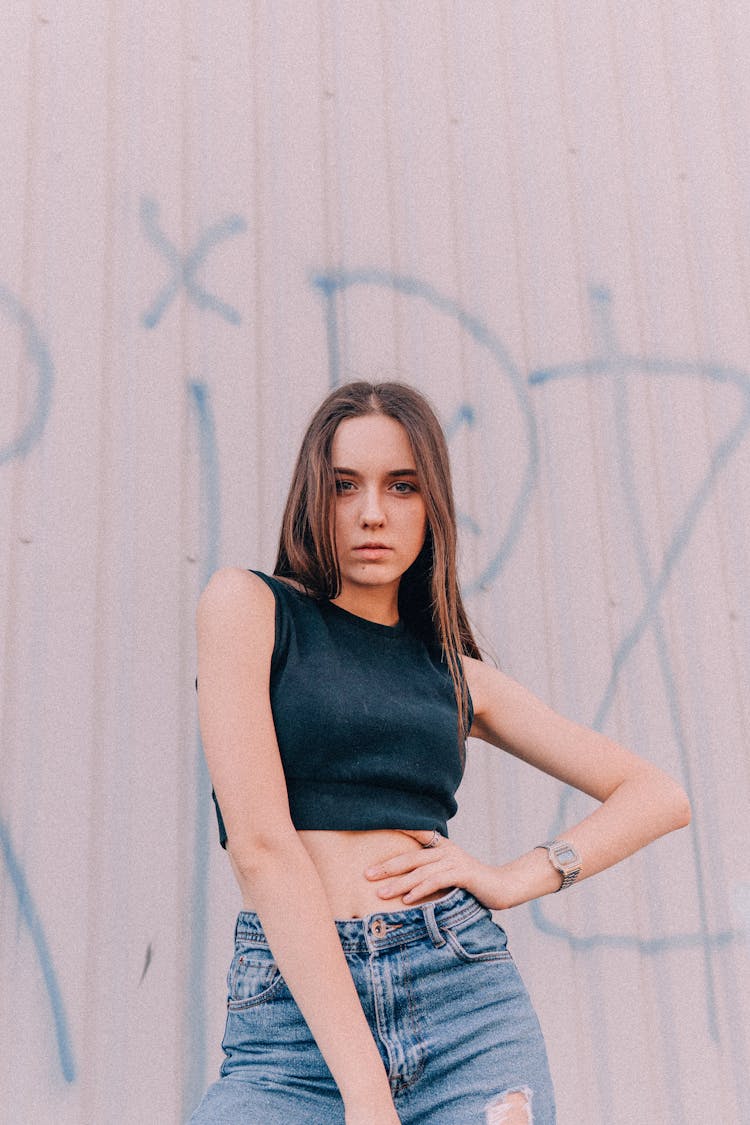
(365, 717)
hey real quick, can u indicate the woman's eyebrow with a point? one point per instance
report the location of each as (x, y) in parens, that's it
(391, 472)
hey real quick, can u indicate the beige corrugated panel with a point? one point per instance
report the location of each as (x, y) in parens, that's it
(538, 213)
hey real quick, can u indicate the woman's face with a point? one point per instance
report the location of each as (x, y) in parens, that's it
(380, 518)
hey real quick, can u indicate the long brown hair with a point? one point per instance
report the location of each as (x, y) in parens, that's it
(429, 598)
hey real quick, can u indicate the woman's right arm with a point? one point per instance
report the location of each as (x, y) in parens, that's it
(235, 622)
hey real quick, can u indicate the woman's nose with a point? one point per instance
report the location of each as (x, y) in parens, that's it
(371, 513)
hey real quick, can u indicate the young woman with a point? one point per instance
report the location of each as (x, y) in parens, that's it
(369, 984)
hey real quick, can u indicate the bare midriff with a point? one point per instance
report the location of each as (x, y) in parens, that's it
(341, 859)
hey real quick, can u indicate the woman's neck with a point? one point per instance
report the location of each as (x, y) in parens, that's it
(375, 603)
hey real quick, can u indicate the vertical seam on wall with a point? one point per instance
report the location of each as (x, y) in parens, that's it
(100, 762)
(690, 279)
(333, 236)
(640, 903)
(17, 466)
(592, 396)
(738, 241)
(194, 994)
(394, 262)
(448, 83)
(327, 94)
(521, 289)
(732, 987)
(455, 121)
(258, 226)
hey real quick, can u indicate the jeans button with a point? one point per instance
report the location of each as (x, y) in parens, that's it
(379, 928)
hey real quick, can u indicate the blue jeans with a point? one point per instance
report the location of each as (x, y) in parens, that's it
(456, 1030)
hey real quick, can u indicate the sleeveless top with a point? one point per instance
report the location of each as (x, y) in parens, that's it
(366, 720)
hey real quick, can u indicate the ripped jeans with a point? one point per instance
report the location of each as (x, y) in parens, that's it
(456, 1030)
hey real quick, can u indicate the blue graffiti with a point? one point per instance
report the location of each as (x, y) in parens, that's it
(31, 917)
(610, 362)
(338, 281)
(39, 356)
(210, 500)
(210, 490)
(464, 415)
(30, 434)
(184, 267)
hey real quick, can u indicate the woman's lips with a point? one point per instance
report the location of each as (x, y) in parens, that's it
(371, 550)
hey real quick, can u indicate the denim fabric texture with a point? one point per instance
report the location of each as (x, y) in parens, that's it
(446, 1004)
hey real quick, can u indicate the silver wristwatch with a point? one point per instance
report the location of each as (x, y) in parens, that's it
(565, 858)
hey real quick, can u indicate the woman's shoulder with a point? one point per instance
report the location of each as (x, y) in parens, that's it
(486, 683)
(232, 590)
(237, 605)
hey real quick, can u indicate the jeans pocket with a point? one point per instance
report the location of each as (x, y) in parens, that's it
(253, 976)
(478, 940)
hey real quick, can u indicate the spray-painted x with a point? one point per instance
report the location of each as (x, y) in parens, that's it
(184, 267)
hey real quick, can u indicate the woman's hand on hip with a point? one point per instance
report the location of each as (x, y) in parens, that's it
(413, 876)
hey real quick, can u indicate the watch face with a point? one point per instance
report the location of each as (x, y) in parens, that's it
(567, 855)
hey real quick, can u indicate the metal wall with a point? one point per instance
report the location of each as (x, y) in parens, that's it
(210, 212)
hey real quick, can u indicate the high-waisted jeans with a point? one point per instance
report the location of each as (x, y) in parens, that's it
(456, 1030)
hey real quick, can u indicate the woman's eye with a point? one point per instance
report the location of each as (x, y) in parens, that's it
(404, 487)
(344, 485)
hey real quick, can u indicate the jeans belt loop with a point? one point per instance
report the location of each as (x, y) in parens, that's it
(433, 929)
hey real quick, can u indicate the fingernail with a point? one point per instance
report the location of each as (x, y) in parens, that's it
(372, 872)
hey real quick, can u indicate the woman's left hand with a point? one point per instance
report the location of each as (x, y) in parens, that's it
(414, 875)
